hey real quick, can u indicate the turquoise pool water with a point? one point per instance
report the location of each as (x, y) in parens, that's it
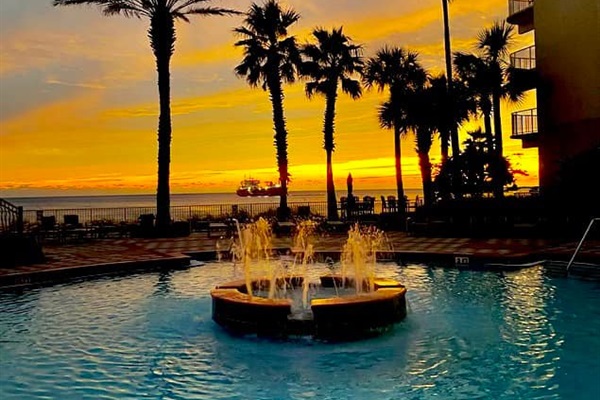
(468, 335)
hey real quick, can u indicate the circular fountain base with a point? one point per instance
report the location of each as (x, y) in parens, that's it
(333, 318)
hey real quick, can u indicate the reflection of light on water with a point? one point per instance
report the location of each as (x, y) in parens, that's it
(528, 327)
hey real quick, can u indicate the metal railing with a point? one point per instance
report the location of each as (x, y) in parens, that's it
(524, 58)
(593, 220)
(515, 6)
(178, 213)
(11, 218)
(524, 123)
(131, 215)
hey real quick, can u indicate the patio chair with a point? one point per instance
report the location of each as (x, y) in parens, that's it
(392, 204)
(384, 206)
(72, 228)
(72, 221)
(49, 229)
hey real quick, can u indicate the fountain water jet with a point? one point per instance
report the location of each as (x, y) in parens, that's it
(276, 299)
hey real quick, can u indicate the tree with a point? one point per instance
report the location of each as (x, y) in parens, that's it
(398, 70)
(476, 167)
(488, 77)
(450, 131)
(162, 15)
(271, 57)
(473, 72)
(493, 43)
(426, 116)
(330, 63)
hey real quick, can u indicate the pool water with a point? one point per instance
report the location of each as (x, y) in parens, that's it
(468, 335)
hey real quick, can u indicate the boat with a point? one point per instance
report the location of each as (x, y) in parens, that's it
(252, 188)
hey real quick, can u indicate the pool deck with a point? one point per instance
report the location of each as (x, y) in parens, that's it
(101, 256)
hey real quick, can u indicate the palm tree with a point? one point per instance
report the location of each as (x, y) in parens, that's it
(474, 73)
(489, 79)
(494, 43)
(451, 131)
(162, 15)
(331, 62)
(426, 117)
(398, 70)
(271, 57)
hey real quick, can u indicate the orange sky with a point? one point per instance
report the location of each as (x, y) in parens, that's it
(78, 100)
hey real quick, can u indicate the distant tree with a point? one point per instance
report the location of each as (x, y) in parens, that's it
(330, 63)
(400, 72)
(162, 15)
(477, 168)
(271, 57)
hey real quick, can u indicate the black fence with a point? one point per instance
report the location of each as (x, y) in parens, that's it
(178, 213)
(11, 218)
(211, 212)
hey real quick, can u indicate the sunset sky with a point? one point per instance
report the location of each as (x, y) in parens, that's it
(79, 103)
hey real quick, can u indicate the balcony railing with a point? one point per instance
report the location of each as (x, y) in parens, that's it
(516, 6)
(524, 123)
(524, 58)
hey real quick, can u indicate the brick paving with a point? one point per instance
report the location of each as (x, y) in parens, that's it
(135, 250)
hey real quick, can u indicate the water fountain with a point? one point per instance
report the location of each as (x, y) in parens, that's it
(282, 296)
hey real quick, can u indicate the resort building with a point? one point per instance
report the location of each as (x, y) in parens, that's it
(564, 68)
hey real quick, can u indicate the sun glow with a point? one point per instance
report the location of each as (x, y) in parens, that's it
(79, 105)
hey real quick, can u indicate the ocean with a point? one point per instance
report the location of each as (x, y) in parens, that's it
(189, 199)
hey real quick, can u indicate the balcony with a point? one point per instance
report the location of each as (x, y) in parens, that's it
(525, 127)
(523, 71)
(520, 12)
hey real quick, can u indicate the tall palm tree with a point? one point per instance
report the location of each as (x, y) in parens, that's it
(331, 62)
(162, 15)
(398, 70)
(489, 78)
(493, 43)
(451, 131)
(474, 73)
(426, 117)
(271, 57)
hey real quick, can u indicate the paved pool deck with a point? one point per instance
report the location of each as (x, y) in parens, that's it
(100, 256)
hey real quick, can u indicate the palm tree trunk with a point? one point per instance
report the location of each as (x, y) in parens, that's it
(498, 184)
(497, 122)
(332, 214)
(162, 41)
(328, 127)
(451, 128)
(425, 167)
(276, 95)
(487, 122)
(399, 183)
(163, 196)
(445, 139)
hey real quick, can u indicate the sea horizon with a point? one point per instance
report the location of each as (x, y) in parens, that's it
(183, 199)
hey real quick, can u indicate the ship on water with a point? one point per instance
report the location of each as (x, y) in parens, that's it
(252, 187)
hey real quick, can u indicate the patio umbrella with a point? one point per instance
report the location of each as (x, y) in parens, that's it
(349, 184)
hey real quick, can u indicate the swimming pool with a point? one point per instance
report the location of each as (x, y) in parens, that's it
(467, 335)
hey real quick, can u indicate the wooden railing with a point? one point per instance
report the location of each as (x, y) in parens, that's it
(11, 218)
